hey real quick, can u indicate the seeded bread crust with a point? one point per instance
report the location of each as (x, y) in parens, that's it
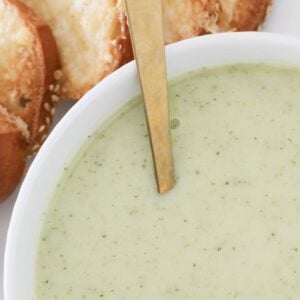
(28, 62)
(93, 37)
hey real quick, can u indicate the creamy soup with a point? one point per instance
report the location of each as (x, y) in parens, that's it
(230, 229)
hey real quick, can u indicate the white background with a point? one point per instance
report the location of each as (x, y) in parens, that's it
(284, 18)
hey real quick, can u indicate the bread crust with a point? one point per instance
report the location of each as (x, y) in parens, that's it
(243, 15)
(12, 156)
(13, 149)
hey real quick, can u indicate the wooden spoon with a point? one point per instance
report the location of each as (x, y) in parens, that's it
(145, 22)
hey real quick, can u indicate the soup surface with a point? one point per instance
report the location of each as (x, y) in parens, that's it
(230, 229)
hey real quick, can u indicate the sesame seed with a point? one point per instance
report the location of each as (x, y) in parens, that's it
(54, 98)
(58, 74)
(35, 147)
(42, 128)
(47, 106)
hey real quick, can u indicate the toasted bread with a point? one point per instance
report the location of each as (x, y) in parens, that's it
(188, 18)
(93, 37)
(28, 61)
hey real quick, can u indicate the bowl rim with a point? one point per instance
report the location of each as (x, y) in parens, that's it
(125, 73)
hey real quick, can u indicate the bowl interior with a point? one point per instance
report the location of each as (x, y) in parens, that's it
(86, 116)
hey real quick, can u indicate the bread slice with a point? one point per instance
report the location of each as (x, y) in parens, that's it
(28, 62)
(29, 58)
(93, 37)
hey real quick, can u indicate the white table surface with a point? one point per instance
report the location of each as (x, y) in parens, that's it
(284, 18)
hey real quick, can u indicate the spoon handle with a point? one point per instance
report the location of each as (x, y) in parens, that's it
(146, 29)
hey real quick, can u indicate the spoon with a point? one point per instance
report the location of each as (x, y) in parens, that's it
(146, 30)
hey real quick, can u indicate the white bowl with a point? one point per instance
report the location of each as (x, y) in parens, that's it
(86, 116)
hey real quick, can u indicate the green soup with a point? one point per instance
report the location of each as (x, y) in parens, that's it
(230, 229)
